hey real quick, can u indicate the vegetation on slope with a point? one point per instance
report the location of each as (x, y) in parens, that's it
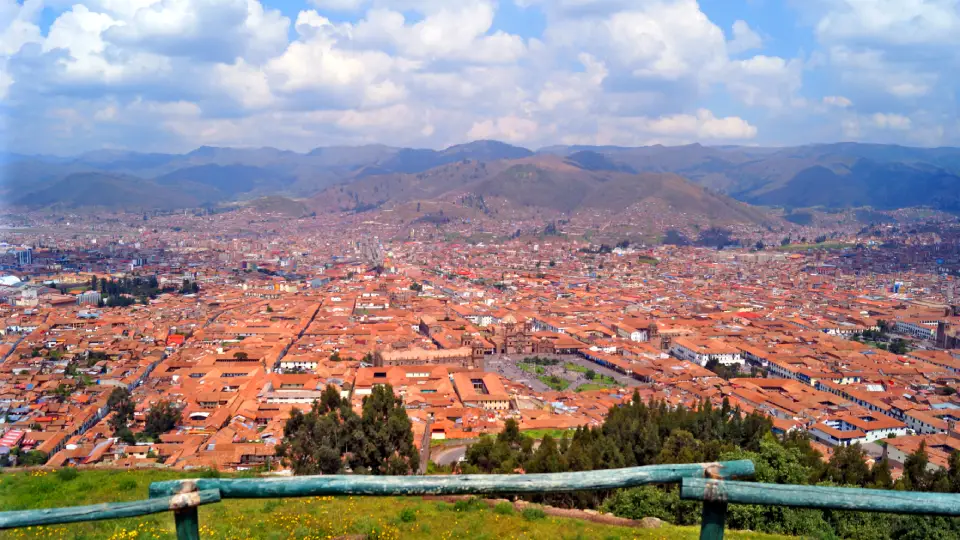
(311, 517)
(639, 433)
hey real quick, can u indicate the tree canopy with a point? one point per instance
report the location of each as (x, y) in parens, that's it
(331, 438)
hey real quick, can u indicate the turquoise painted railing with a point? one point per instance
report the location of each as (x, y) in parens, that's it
(708, 482)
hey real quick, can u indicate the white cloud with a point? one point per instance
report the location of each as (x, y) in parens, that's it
(338, 5)
(744, 38)
(458, 31)
(670, 129)
(890, 121)
(169, 74)
(893, 56)
(908, 89)
(766, 81)
(837, 101)
(506, 128)
(897, 22)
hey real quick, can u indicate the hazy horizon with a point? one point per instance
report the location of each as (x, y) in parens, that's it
(534, 149)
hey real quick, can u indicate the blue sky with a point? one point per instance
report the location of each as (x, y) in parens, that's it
(171, 75)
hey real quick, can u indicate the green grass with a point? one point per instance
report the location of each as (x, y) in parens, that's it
(570, 366)
(557, 383)
(531, 368)
(592, 386)
(555, 433)
(310, 517)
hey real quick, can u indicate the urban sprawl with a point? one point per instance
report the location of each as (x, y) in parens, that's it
(231, 320)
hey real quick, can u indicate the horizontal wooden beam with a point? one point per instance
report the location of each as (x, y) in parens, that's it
(95, 512)
(822, 497)
(466, 484)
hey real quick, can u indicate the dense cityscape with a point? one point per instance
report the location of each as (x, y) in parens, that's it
(218, 334)
(479, 269)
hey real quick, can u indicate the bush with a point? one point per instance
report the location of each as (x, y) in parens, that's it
(126, 484)
(651, 501)
(209, 472)
(468, 505)
(503, 508)
(67, 474)
(533, 513)
(407, 515)
(270, 506)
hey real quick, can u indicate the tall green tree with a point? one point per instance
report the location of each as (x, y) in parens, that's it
(331, 438)
(121, 404)
(161, 418)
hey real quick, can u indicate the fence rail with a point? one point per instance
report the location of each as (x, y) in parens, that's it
(832, 498)
(466, 484)
(712, 483)
(96, 512)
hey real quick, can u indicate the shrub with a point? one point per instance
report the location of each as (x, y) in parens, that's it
(209, 472)
(503, 508)
(67, 474)
(270, 506)
(532, 513)
(126, 484)
(407, 515)
(467, 505)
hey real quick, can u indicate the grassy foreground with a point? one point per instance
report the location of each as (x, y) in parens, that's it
(305, 518)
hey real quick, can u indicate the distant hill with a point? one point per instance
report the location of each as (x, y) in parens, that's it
(107, 191)
(831, 175)
(227, 182)
(546, 182)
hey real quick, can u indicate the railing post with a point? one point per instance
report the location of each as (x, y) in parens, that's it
(714, 520)
(188, 523)
(184, 506)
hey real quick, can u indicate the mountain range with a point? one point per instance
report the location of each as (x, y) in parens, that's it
(719, 181)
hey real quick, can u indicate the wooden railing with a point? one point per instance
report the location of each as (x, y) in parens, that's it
(708, 482)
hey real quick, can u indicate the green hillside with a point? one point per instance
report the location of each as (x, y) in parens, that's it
(314, 517)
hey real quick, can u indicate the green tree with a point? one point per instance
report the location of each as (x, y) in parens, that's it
(388, 447)
(546, 459)
(915, 475)
(32, 458)
(847, 466)
(899, 346)
(880, 476)
(331, 438)
(330, 399)
(161, 418)
(120, 403)
(681, 447)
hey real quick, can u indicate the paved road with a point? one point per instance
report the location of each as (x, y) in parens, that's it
(873, 450)
(13, 348)
(508, 369)
(425, 447)
(448, 454)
